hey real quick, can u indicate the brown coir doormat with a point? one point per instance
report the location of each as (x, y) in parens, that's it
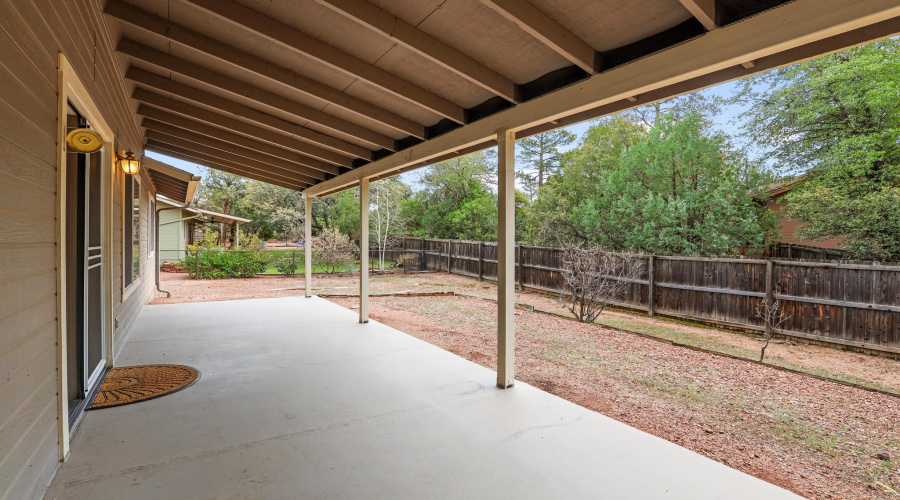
(133, 384)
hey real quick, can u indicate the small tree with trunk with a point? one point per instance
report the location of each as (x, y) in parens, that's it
(770, 312)
(595, 277)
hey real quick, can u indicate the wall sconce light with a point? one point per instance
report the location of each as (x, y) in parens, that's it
(129, 165)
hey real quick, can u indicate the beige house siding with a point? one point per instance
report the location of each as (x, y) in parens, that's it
(32, 33)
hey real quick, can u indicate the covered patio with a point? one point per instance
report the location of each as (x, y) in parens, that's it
(297, 400)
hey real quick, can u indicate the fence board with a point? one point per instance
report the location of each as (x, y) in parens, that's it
(848, 303)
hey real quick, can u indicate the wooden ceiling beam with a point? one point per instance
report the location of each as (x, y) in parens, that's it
(232, 124)
(398, 30)
(703, 10)
(298, 41)
(164, 84)
(549, 32)
(233, 85)
(224, 135)
(227, 150)
(167, 30)
(215, 163)
(805, 29)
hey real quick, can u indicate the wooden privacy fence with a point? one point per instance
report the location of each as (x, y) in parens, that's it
(855, 305)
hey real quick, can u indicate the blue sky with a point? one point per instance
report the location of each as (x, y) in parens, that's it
(726, 122)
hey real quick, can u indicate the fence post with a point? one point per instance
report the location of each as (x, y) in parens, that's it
(423, 264)
(521, 268)
(450, 256)
(769, 291)
(651, 286)
(480, 261)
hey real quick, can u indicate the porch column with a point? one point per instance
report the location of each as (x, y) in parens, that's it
(237, 234)
(364, 250)
(307, 247)
(506, 259)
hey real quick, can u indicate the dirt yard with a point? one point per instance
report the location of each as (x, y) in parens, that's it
(816, 438)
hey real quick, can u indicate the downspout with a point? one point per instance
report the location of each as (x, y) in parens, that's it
(158, 250)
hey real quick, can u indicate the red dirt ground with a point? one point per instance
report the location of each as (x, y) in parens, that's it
(816, 438)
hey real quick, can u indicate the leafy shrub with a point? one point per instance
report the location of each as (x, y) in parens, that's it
(286, 264)
(217, 264)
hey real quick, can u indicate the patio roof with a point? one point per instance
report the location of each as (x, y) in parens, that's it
(317, 95)
(296, 400)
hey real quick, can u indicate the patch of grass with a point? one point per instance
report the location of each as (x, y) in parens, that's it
(686, 390)
(790, 426)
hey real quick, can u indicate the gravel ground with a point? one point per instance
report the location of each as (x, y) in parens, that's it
(816, 438)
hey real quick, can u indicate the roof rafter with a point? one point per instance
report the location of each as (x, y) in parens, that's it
(389, 25)
(223, 165)
(164, 84)
(198, 42)
(227, 150)
(703, 10)
(287, 36)
(549, 32)
(252, 92)
(214, 119)
(225, 158)
(224, 135)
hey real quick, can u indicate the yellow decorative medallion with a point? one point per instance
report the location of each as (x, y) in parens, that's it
(84, 140)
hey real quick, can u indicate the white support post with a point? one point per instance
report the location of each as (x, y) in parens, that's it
(237, 234)
(364, 250)
(307, 248)
(506, 258)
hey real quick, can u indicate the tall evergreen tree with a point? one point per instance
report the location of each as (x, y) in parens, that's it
(539, 157)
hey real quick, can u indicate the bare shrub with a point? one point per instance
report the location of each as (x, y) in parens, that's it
(770, 312)
(337, 250)
(595, 277)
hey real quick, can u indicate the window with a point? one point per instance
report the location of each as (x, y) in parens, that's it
(132, 236)
(151, 229)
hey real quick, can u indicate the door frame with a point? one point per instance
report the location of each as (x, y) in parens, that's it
(71, 89)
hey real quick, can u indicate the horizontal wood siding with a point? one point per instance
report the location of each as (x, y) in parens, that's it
(32, 33)
(847, 304)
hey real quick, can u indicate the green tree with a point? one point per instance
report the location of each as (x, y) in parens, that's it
(837, 120)
(222, 192)
(456, 199)
(549, 218)
(339, 210)
(538, 157)
(679, 190)
(275, 211)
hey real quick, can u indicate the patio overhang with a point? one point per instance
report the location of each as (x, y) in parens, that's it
(316, 96)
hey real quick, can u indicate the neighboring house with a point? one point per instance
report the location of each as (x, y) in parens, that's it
(177, 224)
(774, 197)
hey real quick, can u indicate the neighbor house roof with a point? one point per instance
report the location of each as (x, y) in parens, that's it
(208, 215)
(171, 182)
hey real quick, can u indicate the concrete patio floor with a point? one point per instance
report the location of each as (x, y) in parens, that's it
(298, 400)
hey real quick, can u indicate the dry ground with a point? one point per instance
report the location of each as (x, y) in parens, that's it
(817, 438)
